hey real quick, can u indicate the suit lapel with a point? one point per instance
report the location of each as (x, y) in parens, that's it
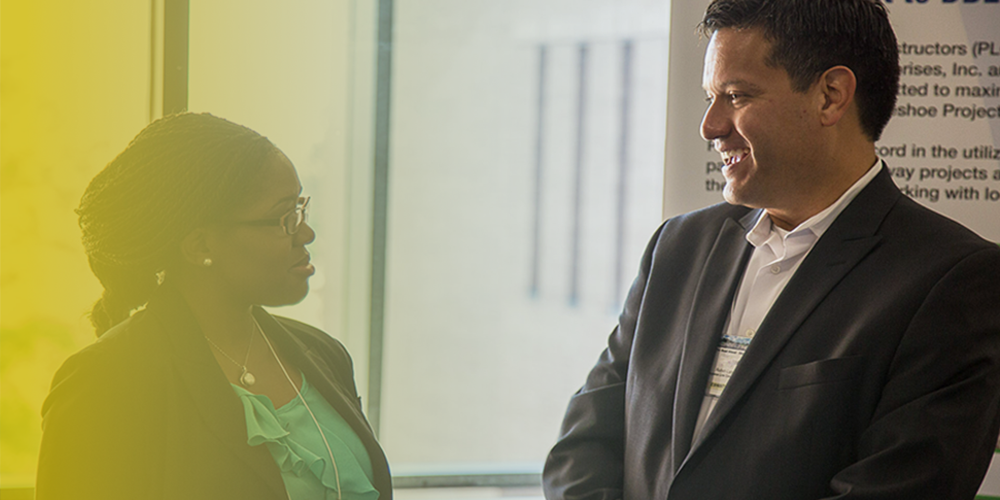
(710, 308)
(208, 387)
(849, 239)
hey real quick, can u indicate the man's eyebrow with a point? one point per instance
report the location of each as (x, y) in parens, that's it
(739, 83)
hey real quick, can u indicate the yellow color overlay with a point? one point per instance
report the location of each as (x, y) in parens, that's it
(74, 89)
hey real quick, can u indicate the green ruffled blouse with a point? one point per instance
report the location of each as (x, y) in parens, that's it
(296, 445)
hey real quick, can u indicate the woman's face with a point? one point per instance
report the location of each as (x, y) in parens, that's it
(261, 264)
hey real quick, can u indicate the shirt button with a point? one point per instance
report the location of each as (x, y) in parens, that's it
(775, 269)
(749, 333)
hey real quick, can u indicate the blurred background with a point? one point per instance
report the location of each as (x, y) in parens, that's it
(481, 199)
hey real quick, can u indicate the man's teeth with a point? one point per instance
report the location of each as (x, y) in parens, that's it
(734, 155)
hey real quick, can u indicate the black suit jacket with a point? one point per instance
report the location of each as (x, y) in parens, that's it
(876, 374)
(146, 413)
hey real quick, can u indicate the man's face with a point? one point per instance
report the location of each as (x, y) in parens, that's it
(767, 133)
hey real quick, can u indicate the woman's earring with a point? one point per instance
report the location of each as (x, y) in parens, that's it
(207, 262)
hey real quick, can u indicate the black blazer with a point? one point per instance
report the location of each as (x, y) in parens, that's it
(146, 413)
(875, 375)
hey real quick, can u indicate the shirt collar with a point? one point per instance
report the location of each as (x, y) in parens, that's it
(764, 231)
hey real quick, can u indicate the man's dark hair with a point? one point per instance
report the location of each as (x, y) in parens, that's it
(812, 36)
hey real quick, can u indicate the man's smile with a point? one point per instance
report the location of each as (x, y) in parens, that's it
(731, 157)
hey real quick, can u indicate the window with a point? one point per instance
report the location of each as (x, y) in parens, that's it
(524, 178)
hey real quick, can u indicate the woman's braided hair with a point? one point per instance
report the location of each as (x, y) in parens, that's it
(180, 173)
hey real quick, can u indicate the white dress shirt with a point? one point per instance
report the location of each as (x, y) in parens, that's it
(776, 256)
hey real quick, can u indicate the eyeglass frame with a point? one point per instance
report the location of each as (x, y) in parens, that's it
(301, 212)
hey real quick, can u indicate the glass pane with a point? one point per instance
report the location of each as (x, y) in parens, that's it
(525, 180)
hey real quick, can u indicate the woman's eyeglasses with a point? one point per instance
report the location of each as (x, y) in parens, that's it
(290, 222)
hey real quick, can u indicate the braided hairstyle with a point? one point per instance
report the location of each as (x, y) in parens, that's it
(181, 172)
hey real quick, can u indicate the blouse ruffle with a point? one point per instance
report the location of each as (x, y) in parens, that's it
(296, 459)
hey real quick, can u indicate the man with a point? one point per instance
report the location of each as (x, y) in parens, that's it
(818, 336)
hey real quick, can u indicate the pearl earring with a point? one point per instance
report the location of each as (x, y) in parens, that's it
(207, 262)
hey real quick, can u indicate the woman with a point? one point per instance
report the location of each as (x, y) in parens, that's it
(192, 390)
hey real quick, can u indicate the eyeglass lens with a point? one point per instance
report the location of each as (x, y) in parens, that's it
(295, 218)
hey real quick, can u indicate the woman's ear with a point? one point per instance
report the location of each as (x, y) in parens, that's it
(837, 85)
(195, 248)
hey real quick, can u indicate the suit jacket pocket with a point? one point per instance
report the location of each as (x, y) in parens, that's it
(821, 372)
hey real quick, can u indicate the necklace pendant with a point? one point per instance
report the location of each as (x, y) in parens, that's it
(247, 379)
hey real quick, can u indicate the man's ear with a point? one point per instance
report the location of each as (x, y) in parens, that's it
(837, 86)
(195, 247)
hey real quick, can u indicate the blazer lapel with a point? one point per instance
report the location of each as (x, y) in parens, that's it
(712, 302)
(208, 387)
(321, 376)
(849, 239)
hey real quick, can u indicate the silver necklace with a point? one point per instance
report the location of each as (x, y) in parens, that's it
(246, 378)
